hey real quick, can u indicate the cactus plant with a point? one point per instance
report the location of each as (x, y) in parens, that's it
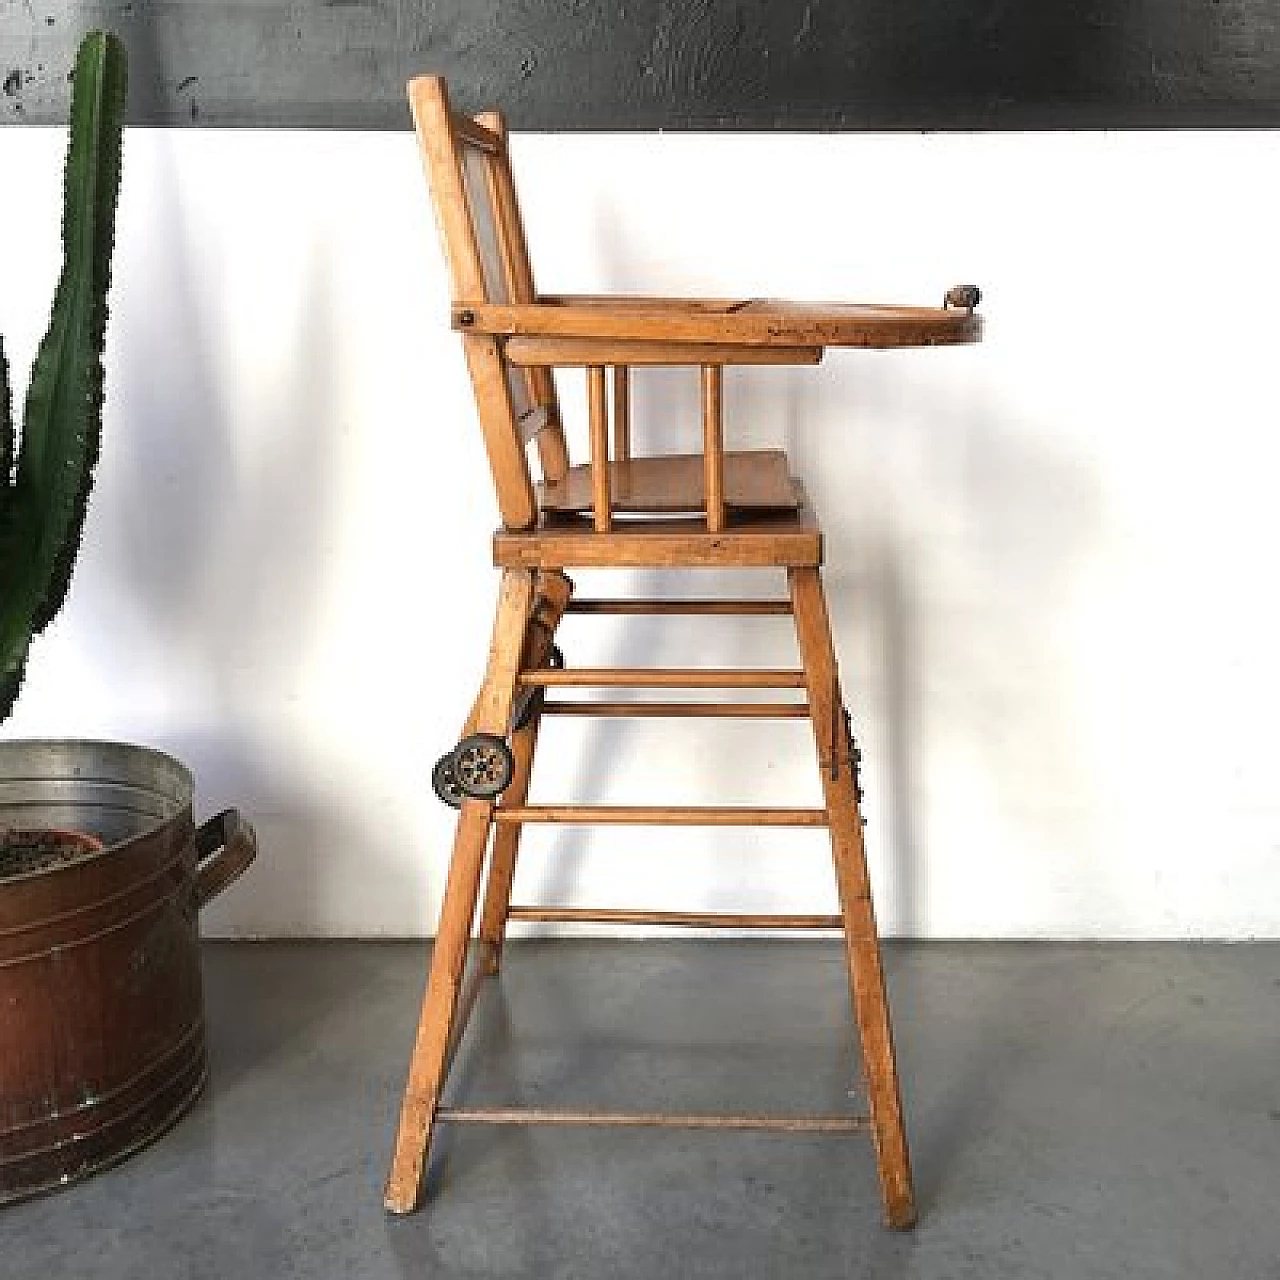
(46, 472)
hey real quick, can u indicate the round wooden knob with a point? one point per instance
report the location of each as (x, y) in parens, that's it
(963, 295)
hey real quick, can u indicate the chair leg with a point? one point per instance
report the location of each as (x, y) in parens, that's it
(553, 592)
(862, 944)
(429, 1062)
(502, 861)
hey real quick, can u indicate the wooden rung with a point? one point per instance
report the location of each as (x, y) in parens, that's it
(682, 710)
(663, 678)
(684, 608)
(680, 919)
(661, 816)
(656, 1120)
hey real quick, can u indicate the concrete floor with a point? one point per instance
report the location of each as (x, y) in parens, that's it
(1075, 1111)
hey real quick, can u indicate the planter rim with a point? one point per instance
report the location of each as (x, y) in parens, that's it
(69, 762)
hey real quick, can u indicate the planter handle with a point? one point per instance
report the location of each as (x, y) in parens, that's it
(226, 844)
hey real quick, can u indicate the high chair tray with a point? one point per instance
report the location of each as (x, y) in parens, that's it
(744, 321)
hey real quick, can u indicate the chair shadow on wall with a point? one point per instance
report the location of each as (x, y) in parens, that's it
(224, 561)
(1028, 511)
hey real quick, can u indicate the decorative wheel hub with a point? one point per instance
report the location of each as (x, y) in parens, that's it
(478, 768)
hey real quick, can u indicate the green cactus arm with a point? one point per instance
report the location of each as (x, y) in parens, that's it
(6, 429)
(43, 513)
(9, 681)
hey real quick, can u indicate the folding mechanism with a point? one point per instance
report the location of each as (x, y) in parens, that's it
(714, 509)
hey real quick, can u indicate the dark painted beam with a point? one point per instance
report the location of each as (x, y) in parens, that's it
(673, 64)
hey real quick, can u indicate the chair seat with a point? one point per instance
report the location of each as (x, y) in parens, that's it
(758, 480)
(754, 539)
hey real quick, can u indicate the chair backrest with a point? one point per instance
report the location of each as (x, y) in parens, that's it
(469, 172)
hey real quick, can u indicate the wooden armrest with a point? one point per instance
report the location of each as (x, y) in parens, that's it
(716, 322)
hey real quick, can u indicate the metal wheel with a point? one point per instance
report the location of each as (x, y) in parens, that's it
(445, 783)
(483, 766)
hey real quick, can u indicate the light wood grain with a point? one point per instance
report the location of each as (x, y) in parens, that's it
(715, 509)
(762, 1121)
(674, 919)
(862, 943)
(663, 678)
(429, 1060)
(429, 105)
(656, 544)
(440, 138)
(758, 480)
(604, 815)
(640, 301)
(570, 353)
(552, 592)
(621, 412)
(502, 438)
(762, 323)
(713, 461)
(553, 452)
(601, 481)
(681, 710)
(683, 608)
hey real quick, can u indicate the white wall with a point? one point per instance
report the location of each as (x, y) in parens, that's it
(1051, 557)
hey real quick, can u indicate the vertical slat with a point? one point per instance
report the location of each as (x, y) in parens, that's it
(713, 444)
(441, 153)
(621, 413)
(429, 104)
(553, 451)
(599, 418)
(502, 441)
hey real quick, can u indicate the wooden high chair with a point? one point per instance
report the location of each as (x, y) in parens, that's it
(714, 510)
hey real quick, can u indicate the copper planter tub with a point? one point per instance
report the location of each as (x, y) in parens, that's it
(101, 1011)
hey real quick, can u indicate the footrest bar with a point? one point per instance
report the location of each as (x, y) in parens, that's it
(663, 678)
(682, 919)
(660, 816)
(682, 710)
(684, 608)
(655, 1120)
